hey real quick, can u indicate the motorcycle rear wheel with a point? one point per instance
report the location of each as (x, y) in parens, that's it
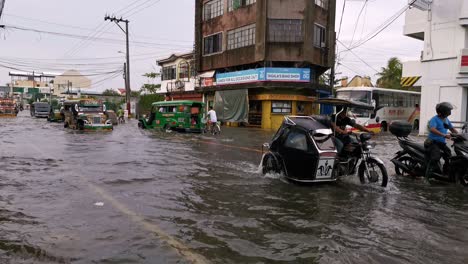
(377, 172)
(409, 162)
(462, 177)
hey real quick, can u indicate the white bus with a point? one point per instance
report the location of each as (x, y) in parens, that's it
(390, 105)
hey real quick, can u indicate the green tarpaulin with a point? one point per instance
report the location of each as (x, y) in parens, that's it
(232, 105)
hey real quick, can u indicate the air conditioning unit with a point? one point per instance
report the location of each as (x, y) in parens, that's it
(323, 44)
(422, 5)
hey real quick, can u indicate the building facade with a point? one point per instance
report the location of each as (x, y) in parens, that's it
(443, 67)
(179, 77)
(259, 60)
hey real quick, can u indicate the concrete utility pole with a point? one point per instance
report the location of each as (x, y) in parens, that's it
(127, 71)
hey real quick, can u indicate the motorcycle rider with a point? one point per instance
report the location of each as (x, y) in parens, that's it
(339, 122)
(435, 143)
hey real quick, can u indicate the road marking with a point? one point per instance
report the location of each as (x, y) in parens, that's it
(174, 243)
(179, 247)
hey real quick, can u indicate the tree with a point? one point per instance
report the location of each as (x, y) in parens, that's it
(110, 92)
(390, 76)
(144, 104)
(150, 87)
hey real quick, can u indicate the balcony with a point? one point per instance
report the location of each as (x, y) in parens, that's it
(464, 14)
(415, 23)
(175, 86)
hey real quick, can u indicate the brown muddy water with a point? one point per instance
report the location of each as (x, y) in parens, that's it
(134, 196)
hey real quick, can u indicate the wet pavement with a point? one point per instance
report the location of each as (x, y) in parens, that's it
(134, 196)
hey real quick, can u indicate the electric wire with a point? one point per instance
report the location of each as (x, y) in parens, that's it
(341, 19)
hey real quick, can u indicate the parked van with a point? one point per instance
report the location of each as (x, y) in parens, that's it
(40, 109)
(176, 115)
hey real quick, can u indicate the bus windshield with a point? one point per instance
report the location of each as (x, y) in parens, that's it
(358, 96)
(356, 112)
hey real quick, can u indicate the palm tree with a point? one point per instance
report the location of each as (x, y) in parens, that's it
(390, 76)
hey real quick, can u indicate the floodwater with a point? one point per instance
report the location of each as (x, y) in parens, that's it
(133, 196)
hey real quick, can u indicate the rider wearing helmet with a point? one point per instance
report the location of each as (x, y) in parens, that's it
(435, 143)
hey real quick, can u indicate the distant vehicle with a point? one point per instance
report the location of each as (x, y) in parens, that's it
(8, 107)
(86, 114)
(112, 116)
(303, 149)
(55, 115)
(40, 109)
(175, 115)
(390, 105)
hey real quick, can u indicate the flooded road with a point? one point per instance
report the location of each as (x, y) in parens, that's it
(134, 196)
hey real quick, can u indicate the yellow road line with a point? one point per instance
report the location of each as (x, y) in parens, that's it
(180, 248)
(174, 243)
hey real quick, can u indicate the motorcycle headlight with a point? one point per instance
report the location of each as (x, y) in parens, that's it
(370, 145)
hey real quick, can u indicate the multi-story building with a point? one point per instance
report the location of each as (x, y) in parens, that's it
(443, 66)
(259, 60)
(178, 77)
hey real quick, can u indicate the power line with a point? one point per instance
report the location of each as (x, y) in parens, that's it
(381, 28)
(107, 40)
(341, 19)
(357, 20)
(98, 31)
(357, 56)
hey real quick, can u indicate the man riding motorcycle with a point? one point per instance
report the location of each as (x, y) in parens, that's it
(339, 122)
(435, 143)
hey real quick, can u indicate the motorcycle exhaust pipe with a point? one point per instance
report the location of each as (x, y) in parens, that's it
(401, 165)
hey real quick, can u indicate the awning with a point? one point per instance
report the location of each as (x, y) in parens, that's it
(207, 74)
(409, 81)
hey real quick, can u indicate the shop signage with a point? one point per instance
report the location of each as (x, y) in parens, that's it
(264, 74)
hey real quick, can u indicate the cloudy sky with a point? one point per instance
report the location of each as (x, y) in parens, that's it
(55, 35)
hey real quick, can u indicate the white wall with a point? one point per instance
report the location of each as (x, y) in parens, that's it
(444, 38)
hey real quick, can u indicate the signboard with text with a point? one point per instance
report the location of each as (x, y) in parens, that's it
(264, 74)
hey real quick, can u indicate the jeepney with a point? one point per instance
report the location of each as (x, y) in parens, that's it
(55, 114)
(8, 107)
(175, 115)
(86, 114)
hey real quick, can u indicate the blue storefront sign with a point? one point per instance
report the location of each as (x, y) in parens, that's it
(264, 74)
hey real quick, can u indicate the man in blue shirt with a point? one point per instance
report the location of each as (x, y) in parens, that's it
(435, 143)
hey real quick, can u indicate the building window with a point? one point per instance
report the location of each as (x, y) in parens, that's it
(213, 44)
(168, 73)
(213, 9)
(183, 70)
(322, 3)
(319, 36)
(193, 69)
(236, 4)
(285, 30)
(241, 37)
(283, 107)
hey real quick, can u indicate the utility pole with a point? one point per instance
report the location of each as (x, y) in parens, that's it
(127, 70)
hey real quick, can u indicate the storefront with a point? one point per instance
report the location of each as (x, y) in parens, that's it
(261, 97)
(268, 110)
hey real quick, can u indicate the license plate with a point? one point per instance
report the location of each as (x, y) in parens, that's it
(325, 168)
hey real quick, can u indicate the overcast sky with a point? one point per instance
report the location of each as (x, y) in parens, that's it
(159, 28)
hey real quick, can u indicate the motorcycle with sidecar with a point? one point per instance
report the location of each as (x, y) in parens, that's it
(304, 150)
